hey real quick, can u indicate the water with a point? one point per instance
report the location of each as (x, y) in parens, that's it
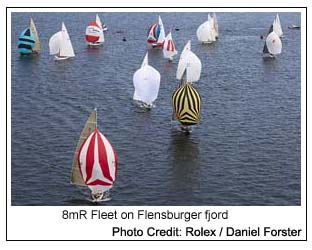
(245, 151)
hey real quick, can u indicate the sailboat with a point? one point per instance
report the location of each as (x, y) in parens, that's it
(186, 100)
(156, 34)
(190, 61)
(206, 31)
(95, 161)
(272, 45)
(28, 42)
(277, 27)
(146, 81)
(60, 45)
(169, 50)
(94, 32)
(215, 25)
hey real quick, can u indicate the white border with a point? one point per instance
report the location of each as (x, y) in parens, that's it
(46, 221)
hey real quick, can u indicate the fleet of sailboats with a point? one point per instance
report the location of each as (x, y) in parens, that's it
(95, 161)
(146, 81)
(28, 42)
(60, 45)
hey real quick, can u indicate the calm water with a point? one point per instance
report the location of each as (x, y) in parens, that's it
(245, 151)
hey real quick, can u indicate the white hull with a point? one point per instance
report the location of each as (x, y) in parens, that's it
(60, 58)
(207, 42)
(95, 44)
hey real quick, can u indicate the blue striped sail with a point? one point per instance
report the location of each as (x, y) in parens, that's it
(26, 42)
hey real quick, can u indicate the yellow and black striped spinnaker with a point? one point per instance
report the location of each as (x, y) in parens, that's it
(186, 103)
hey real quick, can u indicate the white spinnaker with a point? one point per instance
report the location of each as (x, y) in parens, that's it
(193, 66)
(182, 64)
(169, 49)
(274, 43)
(136, 97)
(146, 81)
(99, 23)
(277, 27)
(66, 48)
(188, 60)
(55, 43)
(205, 32)
(162, 34)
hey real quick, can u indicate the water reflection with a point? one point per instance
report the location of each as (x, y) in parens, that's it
(185, 165)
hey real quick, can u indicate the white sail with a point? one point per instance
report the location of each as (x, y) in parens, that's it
(146, 81)
(273, 43)
(215, 25)
(90, 126)
(169, 49)
(55, 43)
(193, 67)
(277, 27)
(66, 49)
(99, 23)
(162, 34)
(205, 32)
(182, 63)
(190, 62)
(145, 61)
(36, 36)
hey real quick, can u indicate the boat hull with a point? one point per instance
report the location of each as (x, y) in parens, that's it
(61, 58)
(95, 44)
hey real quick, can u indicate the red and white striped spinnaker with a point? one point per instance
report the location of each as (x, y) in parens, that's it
(169, 49)
(97, 162)
(93, 32)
